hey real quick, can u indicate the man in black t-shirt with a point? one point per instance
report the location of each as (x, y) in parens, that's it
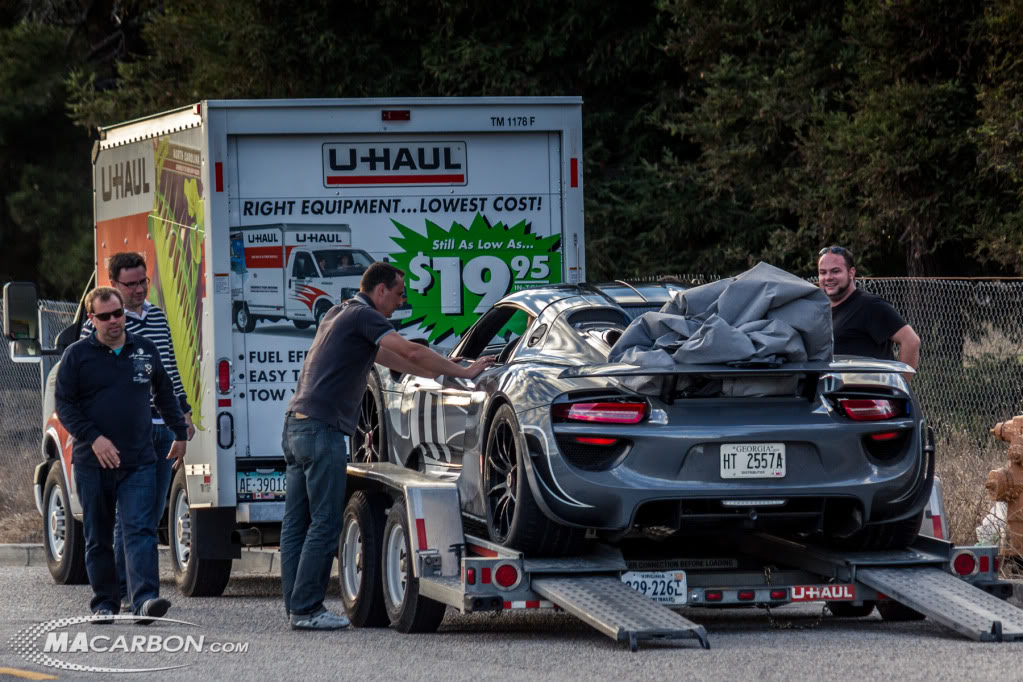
(864, 324)
(321, 414)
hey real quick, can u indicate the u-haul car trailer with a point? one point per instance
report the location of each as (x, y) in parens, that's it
(405, 557)
(472, 197)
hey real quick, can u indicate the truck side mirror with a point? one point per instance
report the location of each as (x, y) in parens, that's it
(21, 321)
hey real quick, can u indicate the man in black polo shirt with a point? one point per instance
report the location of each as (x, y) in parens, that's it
(864, 324)
(102, 398)
(323, 411)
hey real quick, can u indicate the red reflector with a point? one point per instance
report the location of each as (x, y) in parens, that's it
(936, 520)
(868, 410)
(746, 595)
(714, 595)
(223, 376)
(585, 440)
(506, 575)
(396, 115)
(985, 564)
(574, 172)
(223, 402)
(887, 435)
(605, 413)
(219, 170)
(485, 577)
(470, 576)
(207, 479)
(421, 533)
(778, 594)
(964, 564)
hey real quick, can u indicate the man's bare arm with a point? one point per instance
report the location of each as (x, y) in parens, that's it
(909, 346)
(392, 360)
(414, 358)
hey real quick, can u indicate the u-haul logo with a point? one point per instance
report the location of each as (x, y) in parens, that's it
(824, 593)
(375, 164)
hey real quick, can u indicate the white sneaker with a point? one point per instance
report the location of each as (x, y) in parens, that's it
(324, 620)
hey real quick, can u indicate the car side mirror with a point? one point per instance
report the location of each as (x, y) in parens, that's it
(21, 321)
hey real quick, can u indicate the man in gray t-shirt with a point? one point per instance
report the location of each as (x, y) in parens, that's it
(325, 407)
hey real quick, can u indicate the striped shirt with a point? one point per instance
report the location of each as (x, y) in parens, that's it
(152, 324)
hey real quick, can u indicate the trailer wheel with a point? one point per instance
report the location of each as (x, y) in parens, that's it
(358, 560)
(195, 577)
(894, 612)
(65, 537)
(513, 517)
(407, 611)
(844, 609)
(369, 443)
(245, 322)
(879, 536)
(302, 324)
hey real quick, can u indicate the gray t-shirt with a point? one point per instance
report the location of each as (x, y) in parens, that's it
(333, 378)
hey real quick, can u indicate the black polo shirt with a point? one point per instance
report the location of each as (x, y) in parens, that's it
(864, 325)
(333, 378)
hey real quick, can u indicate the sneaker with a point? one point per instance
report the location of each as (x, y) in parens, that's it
(103, 617)
(324, 620)
(155, 608)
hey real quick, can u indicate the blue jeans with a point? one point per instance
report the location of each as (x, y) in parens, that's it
(162, 439)
(317, 457)
(102, 491)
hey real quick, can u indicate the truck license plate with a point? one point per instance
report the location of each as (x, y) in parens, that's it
(753, 460)
(261, 485)
(664, 587)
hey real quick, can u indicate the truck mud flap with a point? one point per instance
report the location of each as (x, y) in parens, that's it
(615, 609)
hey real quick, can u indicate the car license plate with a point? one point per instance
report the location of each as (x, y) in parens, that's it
(753, 460)
(664, 587)
(261, 485)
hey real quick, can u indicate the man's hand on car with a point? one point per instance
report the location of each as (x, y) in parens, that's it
(482, 363)
(108, 455)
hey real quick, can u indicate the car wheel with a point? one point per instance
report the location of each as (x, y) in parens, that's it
(894, 612)
(513, 517)
(844, 609)
(369, 444)
(358, 560)
(877, 536)
(245, 322)
(321, 309)
(65, 537)
(406, 609)
(195, 577)
(302, 324)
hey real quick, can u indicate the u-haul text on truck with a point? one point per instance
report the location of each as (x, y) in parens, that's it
(256, 216)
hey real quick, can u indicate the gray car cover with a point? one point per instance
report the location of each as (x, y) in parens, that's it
(763, 315)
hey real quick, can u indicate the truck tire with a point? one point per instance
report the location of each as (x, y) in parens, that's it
(369, 444)
(245, 322)
(407, 611)
(195, 577)
(302, 324)
(321, 309)
(894, 612)
(64, 537)
(513, 517)
(844, 609)
(879, 536)
(358, 559)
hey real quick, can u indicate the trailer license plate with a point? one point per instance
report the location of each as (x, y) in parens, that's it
(664, 587)
(753, 460)
(261, 485)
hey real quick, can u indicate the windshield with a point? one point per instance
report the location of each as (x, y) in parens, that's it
(334, 262)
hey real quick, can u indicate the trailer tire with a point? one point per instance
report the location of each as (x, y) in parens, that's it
(406, 609)
(195, 577)
(844, 609)
(894, 612)
(369, 444)
(515, 519)
(881, 536)
(358, 559)
(64, 538)
(242, 319)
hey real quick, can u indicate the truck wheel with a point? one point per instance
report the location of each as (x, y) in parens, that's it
(358, 560)
(245, 322)
(369, 444)
(195, 577)
(844, 609)
(896, 535)
(321, 309)
(894, 612)
(407, 611)
(513, 517)
(302, 324)
(65, 537)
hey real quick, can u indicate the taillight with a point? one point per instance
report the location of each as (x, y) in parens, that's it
(868, 409)
(604, 413)
(506, 576)
(746, 595)
(964, 564)
(778, 594)
(224, 375)
(713, 595)
(587, 440)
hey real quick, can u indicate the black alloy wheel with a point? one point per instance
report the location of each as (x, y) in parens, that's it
(368, 444)
(503, 469)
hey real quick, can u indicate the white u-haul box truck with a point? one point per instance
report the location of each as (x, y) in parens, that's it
(255, 216)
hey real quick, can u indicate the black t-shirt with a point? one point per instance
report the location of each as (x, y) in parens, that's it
(333, 377)
(864, 325)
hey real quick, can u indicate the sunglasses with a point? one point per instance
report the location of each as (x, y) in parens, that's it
(105, 317)
(144, 282)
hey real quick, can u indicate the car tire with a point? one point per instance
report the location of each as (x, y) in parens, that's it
(359, 560)
(63, 537)
(195, 577)
(880, 536)
(894, 612)
(302, 324)
(369, 444)
(513, 517)
(844, 609)
(242, 319)
(406, 609)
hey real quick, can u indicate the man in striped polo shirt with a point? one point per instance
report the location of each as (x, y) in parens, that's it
(127, 272)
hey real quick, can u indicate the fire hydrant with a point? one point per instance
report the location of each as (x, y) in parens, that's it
(1006, 485)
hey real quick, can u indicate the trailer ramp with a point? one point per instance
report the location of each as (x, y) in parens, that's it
(948, 600)
(615, 609)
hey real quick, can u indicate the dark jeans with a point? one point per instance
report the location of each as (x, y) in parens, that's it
(101, 492)
(317, 457)
(162, 439)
